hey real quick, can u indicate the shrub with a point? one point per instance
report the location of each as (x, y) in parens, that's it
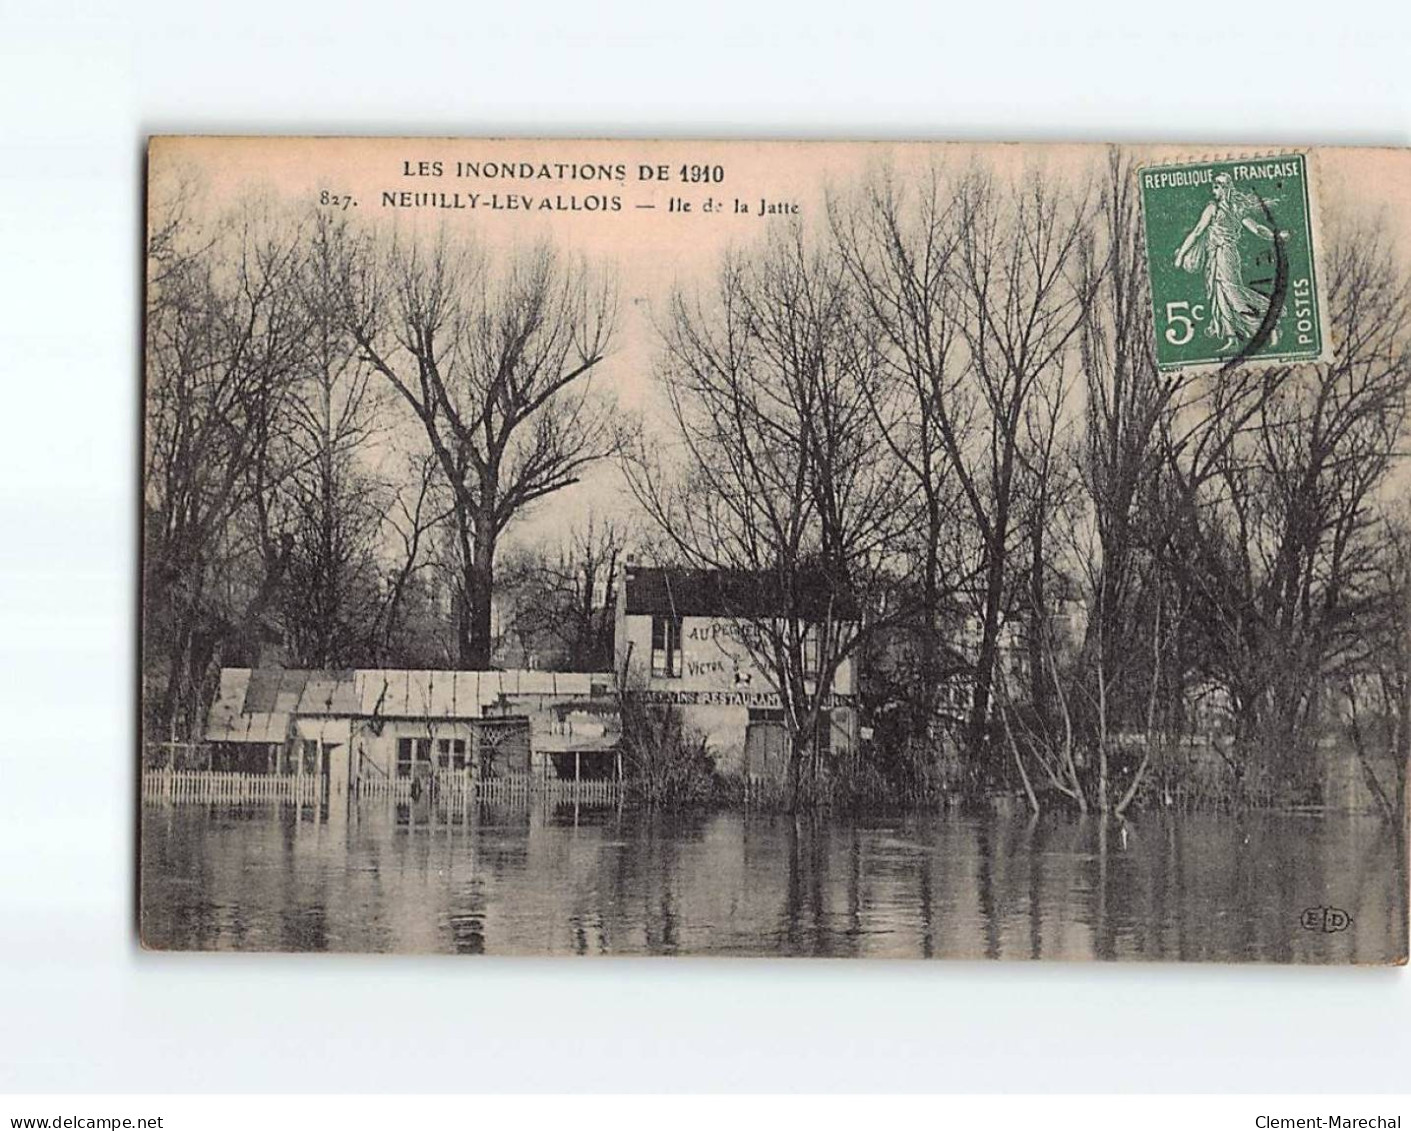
(665, 761)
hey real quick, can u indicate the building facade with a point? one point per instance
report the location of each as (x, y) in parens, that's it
(383, 724)
(690, 638)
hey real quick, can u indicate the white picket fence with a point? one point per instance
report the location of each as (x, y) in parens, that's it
(217, 786)
(447, 789)
(458, 788)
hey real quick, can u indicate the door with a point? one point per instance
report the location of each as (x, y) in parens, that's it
(766, 745)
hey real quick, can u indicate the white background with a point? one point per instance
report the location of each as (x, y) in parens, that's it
(80, 87)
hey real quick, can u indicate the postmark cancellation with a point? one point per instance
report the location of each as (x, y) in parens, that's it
(1232, 253)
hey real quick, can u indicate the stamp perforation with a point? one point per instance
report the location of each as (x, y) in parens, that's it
(1259, 324)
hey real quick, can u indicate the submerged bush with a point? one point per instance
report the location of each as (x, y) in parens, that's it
(665, 761)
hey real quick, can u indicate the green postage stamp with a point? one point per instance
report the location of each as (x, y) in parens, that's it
(1231, 251)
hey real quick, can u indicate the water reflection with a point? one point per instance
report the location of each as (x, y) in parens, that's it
(568, 879)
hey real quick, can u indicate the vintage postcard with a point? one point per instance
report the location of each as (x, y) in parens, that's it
(780, 549)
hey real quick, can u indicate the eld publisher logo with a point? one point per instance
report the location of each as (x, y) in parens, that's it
(1326, 919)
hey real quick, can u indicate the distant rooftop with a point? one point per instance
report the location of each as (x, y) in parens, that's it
(677, 591)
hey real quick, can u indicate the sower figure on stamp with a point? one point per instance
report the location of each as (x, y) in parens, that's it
(1236, 310)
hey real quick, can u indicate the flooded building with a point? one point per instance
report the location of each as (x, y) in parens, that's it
(691, 638)
(380, 725)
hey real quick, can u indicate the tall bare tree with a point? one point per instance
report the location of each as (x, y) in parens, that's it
(226, 338)
(782, 489)
(1023, 302)
(1281, 518)
(332, 501)
(899, 245)
(1129, 407)
(495, 356)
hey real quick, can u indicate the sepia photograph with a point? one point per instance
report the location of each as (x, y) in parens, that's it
(775, 549)
(648, 565)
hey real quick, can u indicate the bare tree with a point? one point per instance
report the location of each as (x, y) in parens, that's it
(1128, 413)
(566, 597)
(1281, 528)
(410, 524)
(899, 246)
(496, 362)
(1374, 676)
(1023, 303)
(783, 490)
(332, 499)
(226, 337)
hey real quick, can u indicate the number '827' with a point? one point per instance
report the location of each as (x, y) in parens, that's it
(1181, 318)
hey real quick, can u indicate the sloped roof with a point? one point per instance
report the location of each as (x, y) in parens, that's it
(229, 721)
(394, 693)
(257, 705)
(329, 693)
(675, 591)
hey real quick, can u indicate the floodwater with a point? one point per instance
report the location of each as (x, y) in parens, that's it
(557, 879)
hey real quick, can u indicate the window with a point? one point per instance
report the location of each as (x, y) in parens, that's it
(666, 647)
(412, 754)
(450, 753)
(810, 652)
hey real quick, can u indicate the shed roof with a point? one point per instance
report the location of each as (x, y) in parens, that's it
(230, 722)
(394, 693)
(328, 693)
(257, 705)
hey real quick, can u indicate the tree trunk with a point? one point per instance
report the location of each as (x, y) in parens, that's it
(989, 649)
(476, 644)
(796, 755)
(1102, 771)
(1038, 621)
(924, 703)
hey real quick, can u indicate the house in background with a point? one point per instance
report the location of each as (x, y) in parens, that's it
(682, 637)
(893, 660)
